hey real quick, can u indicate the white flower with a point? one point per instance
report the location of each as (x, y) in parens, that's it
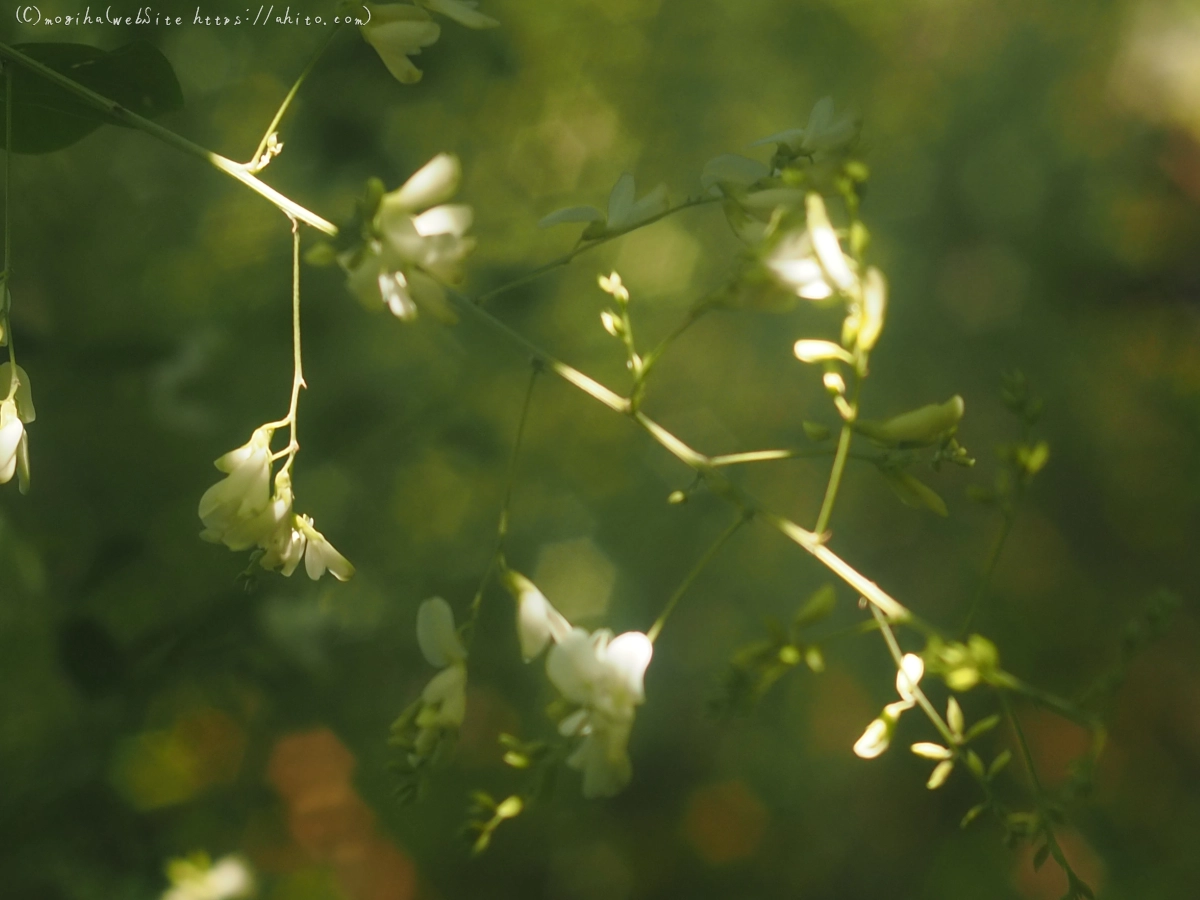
(810, 263)
(463, 12)
(420, 241)
(623, 211)
(398, 31)
(538, 622)
(878, 735)
(445, 696)
(199, 879)
(15, 413)
(319, 554)
(604, 675)
(824, 132)
(242, 494)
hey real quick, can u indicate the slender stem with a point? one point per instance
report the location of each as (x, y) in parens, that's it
(261, 158)
(691, 576)
(839, 464)
(583, 247)
(989, 568)
(1039, 793)
(133, 120)
(6, 324)
(753, 456)
(510, 478)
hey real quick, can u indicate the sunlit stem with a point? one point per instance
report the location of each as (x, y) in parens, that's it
(13, 380)
(583, 247)
(1039, 793)
(133, 120)
(755, 456)
(259, 161)
(839, 464)
(691, 576)
(297, 360)
(497, 558)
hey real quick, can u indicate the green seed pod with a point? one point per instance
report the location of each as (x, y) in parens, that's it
(917, 427)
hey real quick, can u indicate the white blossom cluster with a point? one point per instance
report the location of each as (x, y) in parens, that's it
(242, 512)
(398, 31)
(418, 243)
(16, 411)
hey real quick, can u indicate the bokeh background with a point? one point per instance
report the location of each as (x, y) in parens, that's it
(1035, 181)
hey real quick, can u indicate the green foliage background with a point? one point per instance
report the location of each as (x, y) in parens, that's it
(1034, 202)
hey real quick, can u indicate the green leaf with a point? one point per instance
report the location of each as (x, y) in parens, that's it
(819, 605)
(47, 117)
(915, 493)
(972, 814)
(1040, 857)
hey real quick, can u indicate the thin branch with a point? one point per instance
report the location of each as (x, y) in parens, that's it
(133, 120)
(691, 576)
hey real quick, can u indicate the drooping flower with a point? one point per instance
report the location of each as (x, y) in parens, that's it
(878, 736)
(398, 31)
(243, 493)
(624, 210)
(538, 622)
(444, 699)
(419, 242)
(604, 675)
(825, 132)
(810, 263)
(199, 878)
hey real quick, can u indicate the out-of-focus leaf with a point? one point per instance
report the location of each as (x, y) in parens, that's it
(47, 117)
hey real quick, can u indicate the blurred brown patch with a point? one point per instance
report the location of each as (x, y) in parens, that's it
(328, 819)
(841, 710)
(725, 822)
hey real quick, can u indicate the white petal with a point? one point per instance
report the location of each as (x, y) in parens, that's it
(434, 183)
(874, 740)
(452, 218)
(572, 214)
(24, 395)
(436, 635)
(538, 622)
(911, 669)
(461, 12)
(399, 38)
(572, 666)
(23, 463)
(320, 555)
(447, 690)
(393, 288)
(628, 655)
(825, 244)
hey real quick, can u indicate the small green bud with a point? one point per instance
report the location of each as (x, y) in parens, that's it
(789, 655)
(815, 660)
(940, 773)
(677, 497)
(510, 807)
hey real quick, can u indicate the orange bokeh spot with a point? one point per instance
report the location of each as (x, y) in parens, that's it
(725, 822)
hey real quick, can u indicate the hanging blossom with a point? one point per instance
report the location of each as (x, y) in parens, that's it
(538, 622)
(879, 733)
(444, 700)
(15, 413)
(624, 210)
(604, 676)
(810, 262)
(241, 512)
(418, 243)
(199, 878)
(399, 31)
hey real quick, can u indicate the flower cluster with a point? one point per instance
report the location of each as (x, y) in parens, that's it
(400, 30)
(416, 243)
(242, 512)
(16, 411)
(603, 674)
